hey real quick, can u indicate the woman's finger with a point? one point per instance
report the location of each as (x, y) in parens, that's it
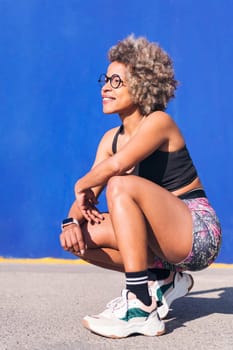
(63, 241)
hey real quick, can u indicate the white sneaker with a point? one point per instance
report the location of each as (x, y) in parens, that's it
(165, 294)
(124, 316)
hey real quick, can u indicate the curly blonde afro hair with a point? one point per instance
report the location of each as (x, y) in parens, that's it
(149, 72)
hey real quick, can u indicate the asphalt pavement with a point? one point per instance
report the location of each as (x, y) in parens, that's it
(42, 305)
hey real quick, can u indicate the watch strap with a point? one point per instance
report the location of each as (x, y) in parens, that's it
(69, 221)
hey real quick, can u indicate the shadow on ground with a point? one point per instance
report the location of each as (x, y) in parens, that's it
(194, 306)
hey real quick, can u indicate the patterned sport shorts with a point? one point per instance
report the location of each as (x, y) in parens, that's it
(206, 238)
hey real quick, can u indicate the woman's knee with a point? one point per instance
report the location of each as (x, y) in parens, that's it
(99, 235)
(115, 186)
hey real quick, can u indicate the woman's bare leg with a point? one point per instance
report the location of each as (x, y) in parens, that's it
(132, 199)
(102, 247)
(107, 258)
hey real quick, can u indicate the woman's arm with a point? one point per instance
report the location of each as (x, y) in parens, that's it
(152, 134)
(71, 238)
(104, 151)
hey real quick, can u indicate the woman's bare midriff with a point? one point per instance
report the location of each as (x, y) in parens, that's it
(195, 184)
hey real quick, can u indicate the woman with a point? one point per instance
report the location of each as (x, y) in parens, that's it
(160, 221)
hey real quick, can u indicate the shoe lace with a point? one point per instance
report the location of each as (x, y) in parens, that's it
(119, 302)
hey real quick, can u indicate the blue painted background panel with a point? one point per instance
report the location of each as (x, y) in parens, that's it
(52, 53)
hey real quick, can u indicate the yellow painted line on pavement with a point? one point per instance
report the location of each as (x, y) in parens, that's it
(73, 262)
(42, 261)
(224, 266)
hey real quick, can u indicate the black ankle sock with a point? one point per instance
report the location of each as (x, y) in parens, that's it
(137, 283)
(158, 274)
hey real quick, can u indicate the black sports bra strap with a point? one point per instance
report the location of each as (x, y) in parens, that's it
(114, 141)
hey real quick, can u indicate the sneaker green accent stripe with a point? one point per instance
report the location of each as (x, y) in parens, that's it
(134, 312)
(162, 290)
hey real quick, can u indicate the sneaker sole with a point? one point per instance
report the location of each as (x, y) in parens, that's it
(175, 294)
(150, 329)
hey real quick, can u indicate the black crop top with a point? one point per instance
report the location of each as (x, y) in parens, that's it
(171, 170)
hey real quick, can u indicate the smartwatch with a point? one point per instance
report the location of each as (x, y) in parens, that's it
(69, 221)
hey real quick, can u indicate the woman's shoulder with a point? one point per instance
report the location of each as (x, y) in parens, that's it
(162, 125)
(108, 137)
(161, 116)
(109, 134)
(160, 119)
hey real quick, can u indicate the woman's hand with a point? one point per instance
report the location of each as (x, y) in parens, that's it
(71, 239)
(86, 202)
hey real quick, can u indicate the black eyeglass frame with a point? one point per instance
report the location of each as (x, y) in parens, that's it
(104, 79)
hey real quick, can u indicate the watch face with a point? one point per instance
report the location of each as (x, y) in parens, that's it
(67, 221)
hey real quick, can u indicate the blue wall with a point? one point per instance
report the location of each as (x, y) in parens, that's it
(52, 53)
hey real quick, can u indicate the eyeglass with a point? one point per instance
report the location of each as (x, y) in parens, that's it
(115, 80)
